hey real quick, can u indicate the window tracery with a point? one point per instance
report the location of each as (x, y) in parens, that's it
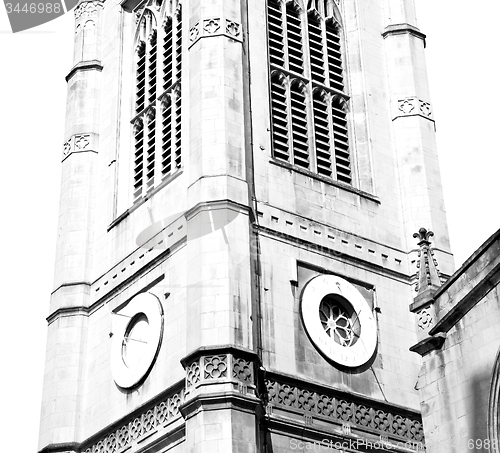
(158, 108)
(308, 96)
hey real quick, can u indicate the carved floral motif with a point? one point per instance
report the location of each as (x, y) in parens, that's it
(242, 370)
(414, 106)
(232, 28)
(194, 32)
(211, 26)
(215, 367)
(424, 318)
(192, 374)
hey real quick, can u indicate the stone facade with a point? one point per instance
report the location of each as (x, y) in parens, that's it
(459, 342)
(226, 241)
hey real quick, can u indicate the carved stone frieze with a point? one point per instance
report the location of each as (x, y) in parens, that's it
(79, 143)
(215, 26)
(413, 106)
(226, 365)
(348, 413)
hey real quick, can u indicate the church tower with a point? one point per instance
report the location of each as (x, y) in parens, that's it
(235, 261)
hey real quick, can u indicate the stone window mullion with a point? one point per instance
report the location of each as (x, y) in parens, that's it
(308, 92)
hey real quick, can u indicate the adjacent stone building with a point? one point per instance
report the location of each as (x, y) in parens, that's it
(241, 183)
(459, 339)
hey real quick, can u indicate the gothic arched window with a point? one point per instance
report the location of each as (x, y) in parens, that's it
(308, 98)
(157, 113)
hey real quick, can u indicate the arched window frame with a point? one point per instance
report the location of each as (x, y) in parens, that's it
(158, 43)
(338, 164)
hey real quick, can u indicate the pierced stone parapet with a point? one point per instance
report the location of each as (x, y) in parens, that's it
(152, 420)
(351, 413)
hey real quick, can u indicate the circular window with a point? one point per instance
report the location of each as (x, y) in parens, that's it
(338, 320)
(137, 335)
(135, 341)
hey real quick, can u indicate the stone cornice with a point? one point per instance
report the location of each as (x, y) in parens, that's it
(219, 349)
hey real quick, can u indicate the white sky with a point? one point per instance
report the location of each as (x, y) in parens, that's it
(463, 65)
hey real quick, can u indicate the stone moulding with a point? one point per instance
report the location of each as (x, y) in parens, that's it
(290, 397)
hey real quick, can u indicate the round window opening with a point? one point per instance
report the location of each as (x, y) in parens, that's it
(135, 340)
(339, 320)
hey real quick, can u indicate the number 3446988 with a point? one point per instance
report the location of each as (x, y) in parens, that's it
(33, 8)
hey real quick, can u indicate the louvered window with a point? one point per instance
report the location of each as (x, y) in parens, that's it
(157, 118)
(308, 98)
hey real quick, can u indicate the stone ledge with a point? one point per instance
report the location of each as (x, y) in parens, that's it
(219, 401)
(429, 344)
(69, 447)
(219, 349)
(326, 180)
(400, 29)
(85, 66)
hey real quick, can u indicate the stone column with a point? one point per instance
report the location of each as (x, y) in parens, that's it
(414, 129)
(219, 407)
(62, 393)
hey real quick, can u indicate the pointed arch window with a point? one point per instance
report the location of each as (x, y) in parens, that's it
(158, 107)
(308, 96)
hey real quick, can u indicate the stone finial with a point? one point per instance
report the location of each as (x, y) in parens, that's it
(427, 272)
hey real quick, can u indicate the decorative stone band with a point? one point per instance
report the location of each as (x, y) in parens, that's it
(412, 106)
(149, 421)
(215, 26)
(80, 143)
(352, 413)
(222, 364)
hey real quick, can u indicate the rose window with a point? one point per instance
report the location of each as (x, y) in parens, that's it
(339, 320)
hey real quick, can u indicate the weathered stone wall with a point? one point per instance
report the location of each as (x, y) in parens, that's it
(456, 379)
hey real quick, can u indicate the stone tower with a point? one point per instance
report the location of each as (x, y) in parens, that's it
(241, 184)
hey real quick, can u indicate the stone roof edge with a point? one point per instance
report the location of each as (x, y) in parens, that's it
(468, 263)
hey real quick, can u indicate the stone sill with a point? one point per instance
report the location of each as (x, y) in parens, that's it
(329, 181)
